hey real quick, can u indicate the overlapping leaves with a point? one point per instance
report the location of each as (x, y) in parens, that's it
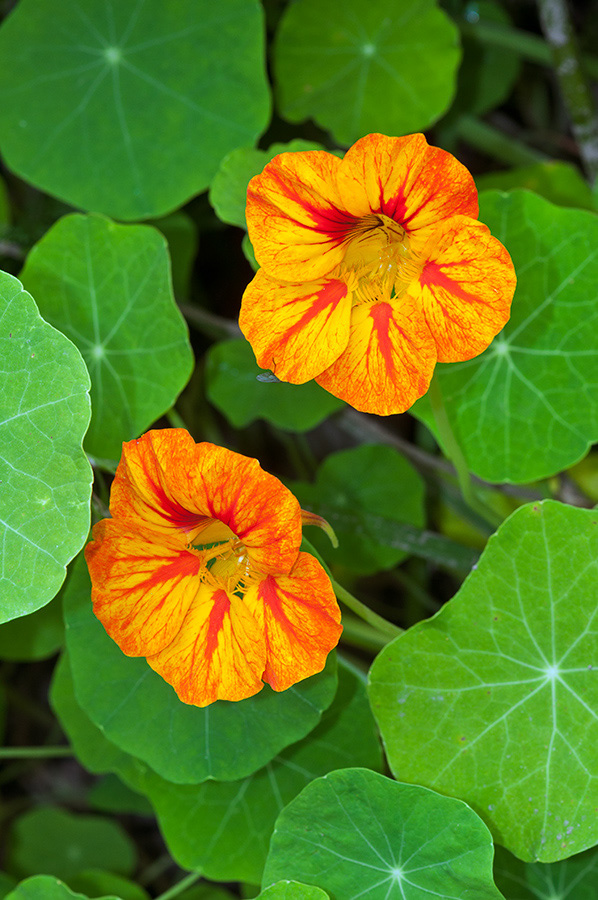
(107, 287)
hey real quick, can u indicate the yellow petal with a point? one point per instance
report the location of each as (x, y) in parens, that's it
(218, 653)
(389, 359)
(297, 330)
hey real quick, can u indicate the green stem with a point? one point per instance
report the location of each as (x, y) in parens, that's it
(364, 612)
(358, 633)
(209, 323)
(182, 885)
(496, 143)
(455, 454)
(558, 31)
(34, 752)
(527, 45)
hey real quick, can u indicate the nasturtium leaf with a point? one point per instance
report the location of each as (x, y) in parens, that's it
(35, 636)
(228, 825)
(555, 180)
(232, 386)
(487, 73)
(228, 192)
(292, 890)
(127, 108)
(45, 476)
(53, 841)
(353, 486)
(494, 699)
(98, 883)
(356, 833)
(46, 887)
(7, 884)
(575, 878)
(107, 287)
(528, 406)
(358, 67)
(185, 744)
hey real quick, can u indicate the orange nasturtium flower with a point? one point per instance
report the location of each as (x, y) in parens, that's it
(373, 268)
(199, 570)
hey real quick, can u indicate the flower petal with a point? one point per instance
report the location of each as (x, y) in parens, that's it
(407, 180)
(389, 359)
(295, 218)
(218, 654)
(466, 288)
(174, 485)
(141, 590)
(297, 330)
(300, 619)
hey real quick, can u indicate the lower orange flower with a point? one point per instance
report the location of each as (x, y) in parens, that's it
(200, 571)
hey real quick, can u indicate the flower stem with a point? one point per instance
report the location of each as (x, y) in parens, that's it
(455, 454)
(181, 886)
(34, 752)
(364, 612)
(496, 143)
(557, 28)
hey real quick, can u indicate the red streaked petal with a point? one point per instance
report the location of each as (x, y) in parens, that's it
(174, 485)
(141, 590)
(300, 620)
(389, 359)
(218, 654)
(466, 288)
(297, 330)
(295, 218)
(407, 180)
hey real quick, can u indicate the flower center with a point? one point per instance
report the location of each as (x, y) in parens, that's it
(379, 262)
(225, 558)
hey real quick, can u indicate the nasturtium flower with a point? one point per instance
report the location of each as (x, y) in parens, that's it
(373, 269)
(199, 570)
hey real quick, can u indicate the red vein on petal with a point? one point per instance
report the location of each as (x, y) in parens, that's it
(330, 296)
(216, 618)
(433, 276)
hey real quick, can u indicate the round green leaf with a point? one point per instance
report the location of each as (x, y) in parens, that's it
(107, 286)
(45, 887)
(110, 795)
(127, 108)
(292, 890)
(180, 231)
(358, 67)
(141, 714)
(45, 476)
(557, 181)
(232, 386)
(527, 407)
(35, 636)
(354, 487)
(228, 193)
(56, 842)
(356, 833)
(575, 878)
(494, 699)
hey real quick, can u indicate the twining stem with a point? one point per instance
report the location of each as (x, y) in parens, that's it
(175, 418)
(496, 143)
(557, 28)
(364, 612)
(455, 454)
(34, 752)
(178, 888)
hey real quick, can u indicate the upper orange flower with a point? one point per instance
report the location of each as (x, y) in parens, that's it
(199, 570)
(374, 268)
